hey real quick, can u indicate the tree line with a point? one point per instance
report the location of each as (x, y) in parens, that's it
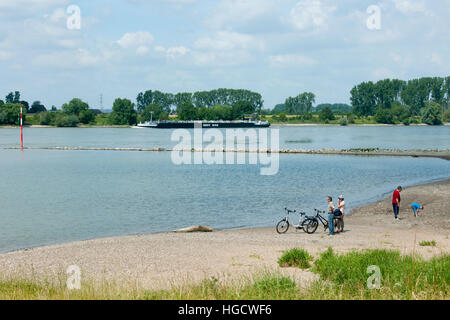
(393, 100)
(219, 104)
(385, 101)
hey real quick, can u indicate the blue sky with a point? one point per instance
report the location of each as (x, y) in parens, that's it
(279, 48)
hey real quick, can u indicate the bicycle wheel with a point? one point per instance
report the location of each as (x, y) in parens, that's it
(312, 225)
(305, 224)
(282, 226)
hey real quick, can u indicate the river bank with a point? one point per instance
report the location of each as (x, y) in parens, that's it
(159, 261)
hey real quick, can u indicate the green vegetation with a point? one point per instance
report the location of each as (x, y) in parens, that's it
(404, 277)
(295, 258)
(432, 113)
(397, 101)
(428, 243)
(123, 113)
(389, 101)
(343, 276)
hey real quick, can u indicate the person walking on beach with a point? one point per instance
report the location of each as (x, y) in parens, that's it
(417, 209)
(331, 208)
(396, 202)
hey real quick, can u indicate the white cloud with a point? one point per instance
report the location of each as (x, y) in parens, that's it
(310, 14)
(142, 50)
(411, 6)
(72, 59)
(176, 52)
(21, 4)
(233, 12)
(135, 40)
(291, 60)
(228, 41)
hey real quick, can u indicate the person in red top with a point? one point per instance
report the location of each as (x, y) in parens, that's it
(396, 201)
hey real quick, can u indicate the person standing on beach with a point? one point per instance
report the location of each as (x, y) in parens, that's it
(396, 202)
(331, 208)
(417, 209)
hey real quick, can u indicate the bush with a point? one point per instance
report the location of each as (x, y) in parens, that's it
(45, 118)
(65, 120)
(282, 117)
(343, 122)
(432, 114)
(351, 119)
(447, 115)
(428, 243)
(295, 258)
(385, 116)
(326, 114)
(87, 116)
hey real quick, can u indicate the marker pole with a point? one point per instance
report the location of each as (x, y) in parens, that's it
(21, 127)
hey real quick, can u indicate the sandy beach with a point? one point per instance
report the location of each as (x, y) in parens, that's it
(159, 260)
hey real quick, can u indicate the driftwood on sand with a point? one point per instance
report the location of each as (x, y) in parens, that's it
(194, 229)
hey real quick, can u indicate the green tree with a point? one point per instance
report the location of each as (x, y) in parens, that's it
(400, 112)
(46, 118)
(187, 111)
(221, 112)
(240, 108)
(282, 117)
(13, 97)
(123, 113)
(75, 106)
(363, 99)
(64, 120)
(432, 113)
(300, 104)
(158, 113)
(10, 113)
(37, 107)
(447, 115)
(326, 114)
(86, 116)
(384, 116)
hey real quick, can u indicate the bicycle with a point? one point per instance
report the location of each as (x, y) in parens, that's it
(283, 225)
(312, 223)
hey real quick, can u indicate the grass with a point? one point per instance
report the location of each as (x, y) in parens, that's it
(403, 277)
(428, 243)
(295, 258)
(340, 277)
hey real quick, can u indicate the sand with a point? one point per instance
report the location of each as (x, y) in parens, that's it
(158, 261)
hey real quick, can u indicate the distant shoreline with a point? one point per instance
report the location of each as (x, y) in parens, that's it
(273, 124)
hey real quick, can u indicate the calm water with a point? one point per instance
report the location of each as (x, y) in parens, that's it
(49, 197)
(290, 137)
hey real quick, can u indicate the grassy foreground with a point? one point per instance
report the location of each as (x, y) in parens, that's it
(340, 277)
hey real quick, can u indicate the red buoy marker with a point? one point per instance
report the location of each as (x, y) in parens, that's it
(21, 127)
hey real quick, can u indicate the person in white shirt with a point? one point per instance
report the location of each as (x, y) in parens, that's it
(341, 204)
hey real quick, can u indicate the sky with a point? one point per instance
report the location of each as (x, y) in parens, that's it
(279, 48)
